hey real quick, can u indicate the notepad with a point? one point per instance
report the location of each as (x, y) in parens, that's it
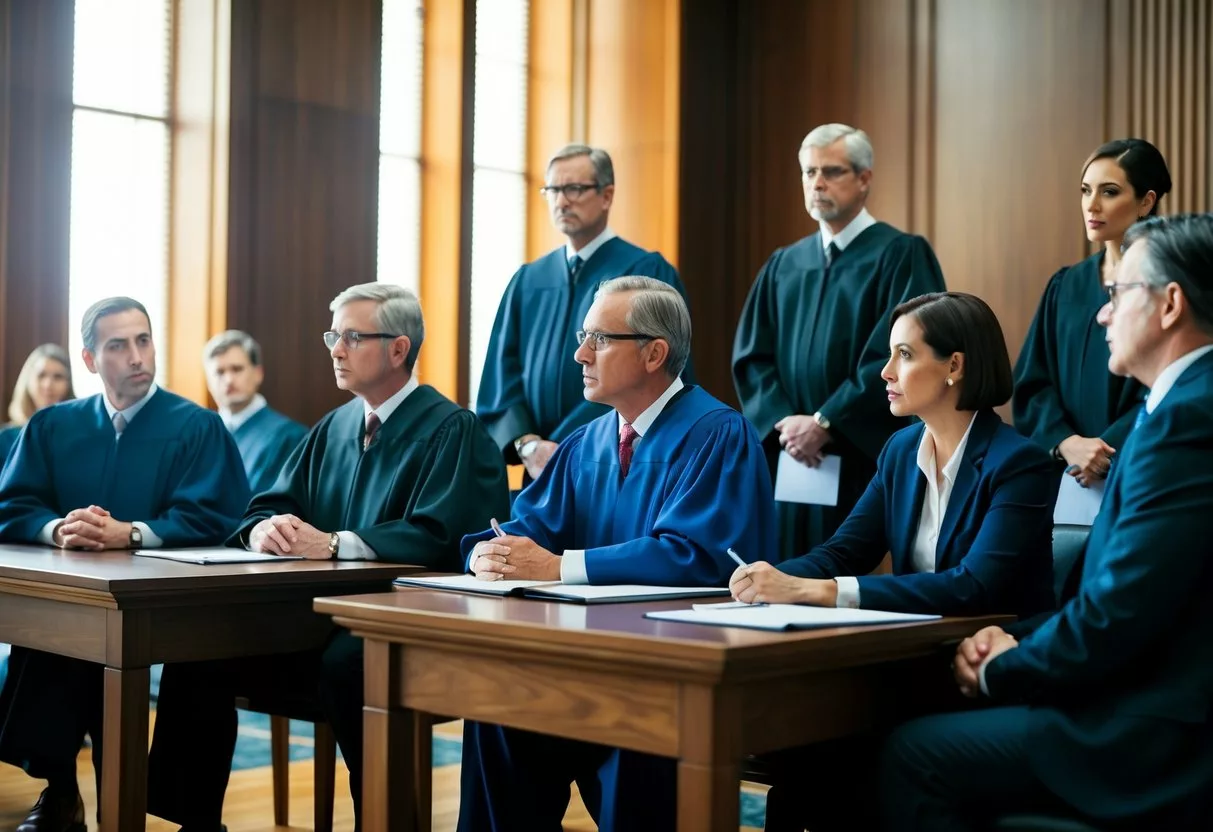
(1077, 505)
(796, 482)
(208, 557)
(556, 591)
(783, 616)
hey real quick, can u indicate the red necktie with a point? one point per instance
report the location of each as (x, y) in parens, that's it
(626, 437)
(372, 427)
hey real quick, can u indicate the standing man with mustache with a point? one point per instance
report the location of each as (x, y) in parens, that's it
(530, 391)
(813, 336)
(134, 467)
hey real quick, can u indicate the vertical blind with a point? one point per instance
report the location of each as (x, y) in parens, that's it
(120, 165)
(399, 255)
(499, 166)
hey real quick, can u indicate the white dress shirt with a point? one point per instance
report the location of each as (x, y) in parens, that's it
(234, 421)
(862, 222)
(934, 507)
(352, 546)
(1162, 386)
(572, 564)
(150, 539)
(587, 250)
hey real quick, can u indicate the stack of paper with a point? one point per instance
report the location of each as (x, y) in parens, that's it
(783, 616)
(556, 591)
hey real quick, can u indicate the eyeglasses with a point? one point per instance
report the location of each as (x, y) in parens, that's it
(830, 173)
(1114, 289)
(598, 340)
(573, 192)
(352, 338)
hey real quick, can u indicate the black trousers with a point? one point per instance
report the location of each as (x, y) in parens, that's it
(195, 735)
(48, 704)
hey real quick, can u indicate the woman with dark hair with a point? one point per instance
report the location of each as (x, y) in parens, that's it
(45, 379)
(1065, 398)
(963, 504)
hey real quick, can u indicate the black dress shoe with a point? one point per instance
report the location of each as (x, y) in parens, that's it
(55, 812)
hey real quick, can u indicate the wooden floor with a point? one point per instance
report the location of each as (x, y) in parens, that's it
(248, 806)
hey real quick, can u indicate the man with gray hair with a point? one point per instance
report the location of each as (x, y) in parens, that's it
(400, 473)
(652, 492)
(265, 437)
(813, 336)
(530, 389)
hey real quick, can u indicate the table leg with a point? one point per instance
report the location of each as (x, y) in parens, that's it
(709, 765)
(389, 748)
(124, 751)
(709, 797)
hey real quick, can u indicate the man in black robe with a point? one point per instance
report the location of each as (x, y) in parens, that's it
(813, 336)
(400, 474)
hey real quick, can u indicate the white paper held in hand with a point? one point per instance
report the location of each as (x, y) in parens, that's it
(1076, 505)
(796, 482)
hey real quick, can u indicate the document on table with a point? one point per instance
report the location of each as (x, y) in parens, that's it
(1077, 505)
(796, 482)
(556, 591)
(206, 557)
(783, 616)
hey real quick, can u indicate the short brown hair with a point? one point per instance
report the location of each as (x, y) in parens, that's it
(958, 322)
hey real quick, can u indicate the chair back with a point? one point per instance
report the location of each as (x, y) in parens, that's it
(1069, 541)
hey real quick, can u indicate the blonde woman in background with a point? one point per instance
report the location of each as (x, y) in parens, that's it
(45, 379)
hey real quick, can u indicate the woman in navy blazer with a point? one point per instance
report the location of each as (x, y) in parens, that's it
(962, 502)
(978, 539)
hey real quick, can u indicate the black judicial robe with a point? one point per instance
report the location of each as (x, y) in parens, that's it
(8, 440)
(265, 442)
(431, 475)
(531, 383)
(1062, 383)
(815, 339)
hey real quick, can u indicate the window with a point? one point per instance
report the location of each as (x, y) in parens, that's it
(498, 166)
(399, 256)
(120, 165)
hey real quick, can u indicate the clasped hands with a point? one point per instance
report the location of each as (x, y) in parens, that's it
(514, 557)
(91, 528)
(802, 438)
(286, 534)
(975, 651)
(1089, 458)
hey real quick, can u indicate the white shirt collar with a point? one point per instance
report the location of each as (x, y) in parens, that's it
(385, 410)
(1167, 378)
(645, 420)
(131, 412)
(235, 421)
(862, 222)
(587, 251)
(926, 454)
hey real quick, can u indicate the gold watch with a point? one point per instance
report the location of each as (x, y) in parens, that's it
(334, 545)
(821, 420)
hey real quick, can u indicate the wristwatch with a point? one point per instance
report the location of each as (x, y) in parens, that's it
(821, 420)
(136, 538)
(334, 545)
(525, 449)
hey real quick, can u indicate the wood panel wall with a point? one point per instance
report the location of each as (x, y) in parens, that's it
(304, 173)
(981, 113)
(35, 159)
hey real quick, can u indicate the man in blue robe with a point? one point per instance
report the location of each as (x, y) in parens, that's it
(264, 436)
(134, 467)
(652, 492)
(530, 390)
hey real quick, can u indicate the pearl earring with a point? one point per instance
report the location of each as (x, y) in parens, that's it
(949, 382)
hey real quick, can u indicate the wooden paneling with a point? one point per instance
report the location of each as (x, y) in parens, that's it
(304, 172)
(550, 109)
(35, 158)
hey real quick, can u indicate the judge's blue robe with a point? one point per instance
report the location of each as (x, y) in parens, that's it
(530, 382)
(175, 468)
(8, 441)
(814, 338)
(697, 485)
(265, 442)
(1062, 383)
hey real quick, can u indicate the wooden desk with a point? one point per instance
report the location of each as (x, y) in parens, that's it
(128, 613)
(706, 696)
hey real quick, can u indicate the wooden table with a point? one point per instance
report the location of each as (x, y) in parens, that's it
(128, 613)
(706, 696)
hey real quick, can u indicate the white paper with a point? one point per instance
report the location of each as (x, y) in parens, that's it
(1077, 506)
(796, 482)
(470, 583)
(784, 616)
(205, 557)
(556, 591)
(588, 592)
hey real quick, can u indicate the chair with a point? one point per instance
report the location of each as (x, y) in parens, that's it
(324, 774)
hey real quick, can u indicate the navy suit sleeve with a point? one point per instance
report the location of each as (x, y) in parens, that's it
(1148, 573)
(755, 372)
(209, 490)
(1036, 403)
(501, 401)
(27, 486)
(721, 498)
(1017, 517)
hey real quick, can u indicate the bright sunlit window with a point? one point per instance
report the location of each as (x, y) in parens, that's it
(499, 166)
(400, 145)
(120, 165)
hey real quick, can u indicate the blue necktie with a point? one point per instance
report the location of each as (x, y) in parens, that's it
(575, 263)
(1141, 417)
(831, 254)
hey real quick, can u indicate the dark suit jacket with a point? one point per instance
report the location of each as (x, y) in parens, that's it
(994, 550)
(1121, 678)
